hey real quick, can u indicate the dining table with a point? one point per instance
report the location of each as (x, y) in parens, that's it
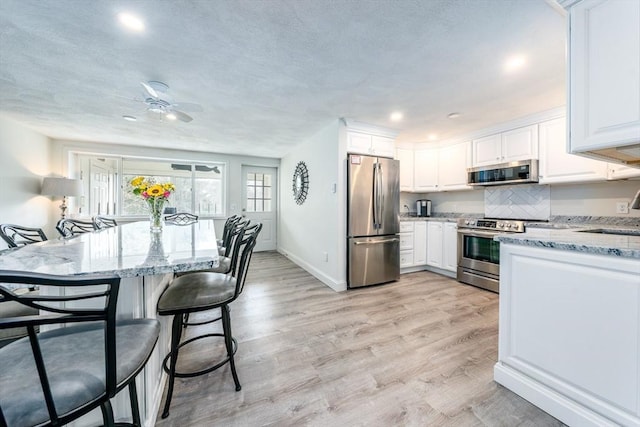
(146, 262)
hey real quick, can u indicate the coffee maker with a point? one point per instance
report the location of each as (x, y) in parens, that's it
(423, 207)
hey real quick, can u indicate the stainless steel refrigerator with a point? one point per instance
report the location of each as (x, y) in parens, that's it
(373, 243)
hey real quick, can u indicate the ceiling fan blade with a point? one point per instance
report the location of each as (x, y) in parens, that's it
(182, 116)
(150, 91)
(189, 107)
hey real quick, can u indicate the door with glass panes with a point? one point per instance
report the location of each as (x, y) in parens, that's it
(259, 203)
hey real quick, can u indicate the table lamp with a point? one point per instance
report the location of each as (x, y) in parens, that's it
(65, 187)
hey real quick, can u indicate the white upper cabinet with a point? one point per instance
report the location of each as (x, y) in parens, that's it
(516, 144)
(617, 171)
(425, 173)
(405, 157)
(453, 161)
(373, 145)
(558, 166)
(604, 74)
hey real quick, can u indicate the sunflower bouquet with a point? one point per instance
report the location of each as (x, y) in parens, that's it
(155, 194)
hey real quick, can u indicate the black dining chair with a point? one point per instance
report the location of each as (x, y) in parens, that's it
(102, 222)
(181, 218)
(53, 377)
(72, 227)
(201, 291)
(17, 235)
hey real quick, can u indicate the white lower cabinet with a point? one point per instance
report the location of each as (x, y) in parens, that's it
(450, 249)
(569, 336)
(420, 243)
(413, 243)
(406, 244)
(434, 244)
(442, 245)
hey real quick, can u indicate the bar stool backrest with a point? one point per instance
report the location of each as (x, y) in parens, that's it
(102, 222)
(181, 218)
(72, 227)
(52, 312)
(16, 235)
(248, 243)
(228, 225)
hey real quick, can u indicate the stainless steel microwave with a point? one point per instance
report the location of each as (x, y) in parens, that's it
(521, 172)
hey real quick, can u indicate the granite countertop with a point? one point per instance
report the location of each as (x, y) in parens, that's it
(128, 250)
(574, 239)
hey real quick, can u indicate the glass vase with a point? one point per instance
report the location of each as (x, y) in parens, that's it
(155, 215)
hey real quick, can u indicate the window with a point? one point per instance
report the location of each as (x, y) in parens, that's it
(258, 192)
(199, 186)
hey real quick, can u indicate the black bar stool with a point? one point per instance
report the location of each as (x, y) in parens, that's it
(72, 227)
(17, 235)
(102, 222)
(52, 378)
(181, 218)
(200, 291)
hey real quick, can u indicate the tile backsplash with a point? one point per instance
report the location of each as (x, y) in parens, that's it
(518, 202)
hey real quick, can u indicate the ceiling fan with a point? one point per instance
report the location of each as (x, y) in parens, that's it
(159, 102)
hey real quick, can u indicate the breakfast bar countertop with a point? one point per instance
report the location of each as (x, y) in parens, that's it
(578, 239)
(128, 250)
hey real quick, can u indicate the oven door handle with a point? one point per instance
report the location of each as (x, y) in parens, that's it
(476, 233)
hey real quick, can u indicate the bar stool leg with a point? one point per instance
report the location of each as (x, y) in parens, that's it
(133, 398)
(228, 340)
(176, 333)
(107, 414)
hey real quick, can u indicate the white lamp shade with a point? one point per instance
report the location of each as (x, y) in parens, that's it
(55, 186)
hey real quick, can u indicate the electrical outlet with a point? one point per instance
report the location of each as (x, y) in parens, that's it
(622, 207)
(325, 256)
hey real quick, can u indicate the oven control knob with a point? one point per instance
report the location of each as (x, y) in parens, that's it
(508, 225)
(499, 225)
(467, 222)
(516, 227)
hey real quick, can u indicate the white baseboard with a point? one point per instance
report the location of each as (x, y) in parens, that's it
(550, 401)
(336, 285)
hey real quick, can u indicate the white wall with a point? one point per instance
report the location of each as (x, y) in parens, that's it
(308, 231)
(24, 160)
(598, 199)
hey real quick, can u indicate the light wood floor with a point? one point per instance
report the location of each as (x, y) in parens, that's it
(418, 352)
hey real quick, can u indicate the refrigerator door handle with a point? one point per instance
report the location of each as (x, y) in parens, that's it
(380, 195)
(375, 242)
(377, 193)
(376, 190)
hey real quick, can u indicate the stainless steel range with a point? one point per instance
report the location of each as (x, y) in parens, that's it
(479, 254)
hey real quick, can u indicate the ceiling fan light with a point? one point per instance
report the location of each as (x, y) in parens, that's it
(171, 116)
(129, 118)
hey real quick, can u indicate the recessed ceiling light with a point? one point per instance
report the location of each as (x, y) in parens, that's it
(453, 115)
(515, 62)
(432, 137)
(396, 117)
(171, 116)
(131, 22)
(129, 118)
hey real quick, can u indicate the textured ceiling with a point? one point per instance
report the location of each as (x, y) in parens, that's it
(268, 74)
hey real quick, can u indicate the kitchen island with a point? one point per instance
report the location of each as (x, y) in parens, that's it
(569, 338)
(146, 262)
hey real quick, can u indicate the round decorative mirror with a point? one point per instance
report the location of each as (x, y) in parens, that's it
(300, 183)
